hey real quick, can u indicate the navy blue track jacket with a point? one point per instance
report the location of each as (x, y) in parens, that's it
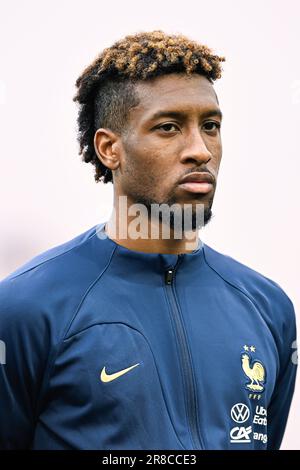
(111, 348)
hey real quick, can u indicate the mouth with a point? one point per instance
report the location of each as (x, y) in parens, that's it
(197, 183)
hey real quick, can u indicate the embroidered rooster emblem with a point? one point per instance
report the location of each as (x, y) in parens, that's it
(255, 372)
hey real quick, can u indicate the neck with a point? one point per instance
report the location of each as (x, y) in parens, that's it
(150, 235)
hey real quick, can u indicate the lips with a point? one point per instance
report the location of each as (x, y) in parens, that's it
(203, 177)
(197, 182)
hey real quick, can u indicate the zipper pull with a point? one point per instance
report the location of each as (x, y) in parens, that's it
(169, 275)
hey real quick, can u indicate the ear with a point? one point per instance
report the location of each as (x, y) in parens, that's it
(106, 147)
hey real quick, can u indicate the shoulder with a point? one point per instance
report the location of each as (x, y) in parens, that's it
(267, 295)
(53, 254)
(44, 293)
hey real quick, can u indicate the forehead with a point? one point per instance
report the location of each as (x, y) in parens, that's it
(175, 91)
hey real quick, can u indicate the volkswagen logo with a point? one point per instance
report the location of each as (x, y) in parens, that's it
(240, 413)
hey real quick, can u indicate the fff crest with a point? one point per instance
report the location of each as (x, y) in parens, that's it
(254, 370)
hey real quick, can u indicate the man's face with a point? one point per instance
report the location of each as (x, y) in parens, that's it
(160, 150)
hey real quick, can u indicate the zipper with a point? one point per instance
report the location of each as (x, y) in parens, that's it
(186, 362)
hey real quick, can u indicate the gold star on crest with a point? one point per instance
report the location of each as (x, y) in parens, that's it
(252, 348)
(246, 347)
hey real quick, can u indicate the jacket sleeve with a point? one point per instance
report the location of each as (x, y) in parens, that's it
(279, 406)
(23, 336)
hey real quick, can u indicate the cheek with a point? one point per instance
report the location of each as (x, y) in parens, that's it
(216, 151)
(147, 167)
(153, 182)
(146, 160)
(214, 145)
(140, 172)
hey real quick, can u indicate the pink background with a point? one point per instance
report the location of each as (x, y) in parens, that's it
(47, 195)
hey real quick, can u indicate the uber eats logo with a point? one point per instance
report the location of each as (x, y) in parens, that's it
(261, 416)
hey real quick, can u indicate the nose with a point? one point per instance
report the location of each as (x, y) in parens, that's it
(195, 149)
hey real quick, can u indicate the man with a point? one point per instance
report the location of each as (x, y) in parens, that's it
(115, 341)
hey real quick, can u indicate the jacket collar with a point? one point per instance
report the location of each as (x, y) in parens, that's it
(157, 260)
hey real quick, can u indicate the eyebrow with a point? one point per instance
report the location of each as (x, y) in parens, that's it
(182, 114)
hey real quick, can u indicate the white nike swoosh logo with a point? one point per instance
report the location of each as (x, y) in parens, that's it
(109, 377)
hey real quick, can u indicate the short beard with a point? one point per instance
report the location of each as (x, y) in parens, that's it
(192, 222)
(195, 219)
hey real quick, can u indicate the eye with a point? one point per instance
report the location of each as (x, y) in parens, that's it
(210, 125)
(167, 125)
